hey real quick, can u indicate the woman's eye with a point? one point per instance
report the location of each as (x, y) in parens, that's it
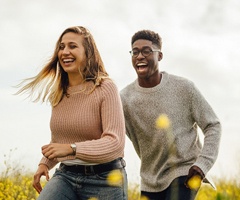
(72, 46)
(61, 47)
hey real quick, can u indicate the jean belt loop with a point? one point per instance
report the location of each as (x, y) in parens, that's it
(89, 170)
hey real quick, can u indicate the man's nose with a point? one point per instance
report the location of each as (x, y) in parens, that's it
(140, 55)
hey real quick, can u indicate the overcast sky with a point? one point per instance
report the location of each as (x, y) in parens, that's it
(201, 41)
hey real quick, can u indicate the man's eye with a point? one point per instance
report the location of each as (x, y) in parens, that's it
(135, 52)
(146, 51)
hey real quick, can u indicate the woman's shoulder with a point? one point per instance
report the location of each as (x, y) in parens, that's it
(108, 84)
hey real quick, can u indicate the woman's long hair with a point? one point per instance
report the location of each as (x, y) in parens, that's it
(52, 81)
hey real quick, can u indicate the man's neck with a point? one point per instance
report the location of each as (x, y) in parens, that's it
(150, 82)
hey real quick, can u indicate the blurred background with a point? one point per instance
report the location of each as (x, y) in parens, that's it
(201, 40)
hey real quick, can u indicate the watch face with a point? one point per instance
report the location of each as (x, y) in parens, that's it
(73, 146)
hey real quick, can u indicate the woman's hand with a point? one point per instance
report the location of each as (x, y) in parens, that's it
(55, 150)
(42, 171)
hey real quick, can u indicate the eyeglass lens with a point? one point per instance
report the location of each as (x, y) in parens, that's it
(144, 51)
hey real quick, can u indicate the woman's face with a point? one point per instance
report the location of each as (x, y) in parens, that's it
(71, 53)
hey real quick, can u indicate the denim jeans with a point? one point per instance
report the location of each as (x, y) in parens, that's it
(66, 185)
(176, 191)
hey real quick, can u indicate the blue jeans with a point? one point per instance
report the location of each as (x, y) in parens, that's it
(176, 191)
(66, 185)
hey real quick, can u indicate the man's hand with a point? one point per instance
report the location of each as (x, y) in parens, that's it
(55, 150)
(42, 171)
(195, 176)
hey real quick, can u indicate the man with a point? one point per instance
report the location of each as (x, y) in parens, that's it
(170, 156)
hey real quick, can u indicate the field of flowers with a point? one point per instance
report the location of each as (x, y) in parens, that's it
(16, 184)
(229, 190)
(19, 187)
(15, 181)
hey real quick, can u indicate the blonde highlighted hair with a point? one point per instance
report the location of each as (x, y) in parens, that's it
(51, 82)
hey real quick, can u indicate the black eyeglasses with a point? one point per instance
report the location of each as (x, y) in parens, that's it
(144, 51)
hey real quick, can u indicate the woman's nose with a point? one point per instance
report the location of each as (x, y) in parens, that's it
(66, 50)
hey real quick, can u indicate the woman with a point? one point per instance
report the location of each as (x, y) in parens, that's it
(87, 123)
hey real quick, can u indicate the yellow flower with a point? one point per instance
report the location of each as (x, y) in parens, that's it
(194, 183)
(144, 198)
(93, 198)
(115, 178)
(163, 122)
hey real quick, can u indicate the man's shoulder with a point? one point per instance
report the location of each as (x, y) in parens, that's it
(128, 88)
(179, 80)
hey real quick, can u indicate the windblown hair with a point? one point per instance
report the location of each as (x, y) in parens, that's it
(148, 35)
(51, 82)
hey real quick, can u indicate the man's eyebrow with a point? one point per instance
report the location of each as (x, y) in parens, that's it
(142, 47)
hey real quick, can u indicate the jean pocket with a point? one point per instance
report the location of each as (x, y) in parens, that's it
(114, 177)
(103, 175)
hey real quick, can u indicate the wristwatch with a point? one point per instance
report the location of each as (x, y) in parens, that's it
(73, 146)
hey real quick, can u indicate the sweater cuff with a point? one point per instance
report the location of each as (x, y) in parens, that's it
(49, 163)
(203, 164)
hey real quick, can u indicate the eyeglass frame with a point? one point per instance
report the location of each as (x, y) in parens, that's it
(141, 51)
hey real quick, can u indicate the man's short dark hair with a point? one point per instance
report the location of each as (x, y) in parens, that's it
(148, 35)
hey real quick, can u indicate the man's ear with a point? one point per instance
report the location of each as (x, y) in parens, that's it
(160, 56)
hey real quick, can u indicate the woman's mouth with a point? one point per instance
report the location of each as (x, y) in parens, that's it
(68, 60)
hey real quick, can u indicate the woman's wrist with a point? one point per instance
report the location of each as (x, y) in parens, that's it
(74, 148)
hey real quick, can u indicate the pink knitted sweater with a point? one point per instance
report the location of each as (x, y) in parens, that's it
(94, 121)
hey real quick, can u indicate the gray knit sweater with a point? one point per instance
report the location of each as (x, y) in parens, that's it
(168, 154)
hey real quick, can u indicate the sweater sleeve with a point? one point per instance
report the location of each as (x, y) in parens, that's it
(210, 125)
(50, 163)
(111, 143)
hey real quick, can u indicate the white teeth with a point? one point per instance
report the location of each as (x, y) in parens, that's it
(141, 64)
(68, 60)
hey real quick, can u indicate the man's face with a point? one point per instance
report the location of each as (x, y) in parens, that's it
(147, 65)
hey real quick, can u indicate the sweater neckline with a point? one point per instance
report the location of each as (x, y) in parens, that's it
(86, 86)
(155, 88)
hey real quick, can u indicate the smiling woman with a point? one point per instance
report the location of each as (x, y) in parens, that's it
(87, 122)
(71, 55)
(77, 39)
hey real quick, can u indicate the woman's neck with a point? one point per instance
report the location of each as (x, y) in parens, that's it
(74, 79)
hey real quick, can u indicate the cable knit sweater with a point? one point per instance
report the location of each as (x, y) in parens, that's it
(94, 121)
(166, 155)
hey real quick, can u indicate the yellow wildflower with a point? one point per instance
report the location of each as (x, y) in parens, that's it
(163, 122)
(144, 198)
(93, 198)
(194, 183)
(115, 178)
